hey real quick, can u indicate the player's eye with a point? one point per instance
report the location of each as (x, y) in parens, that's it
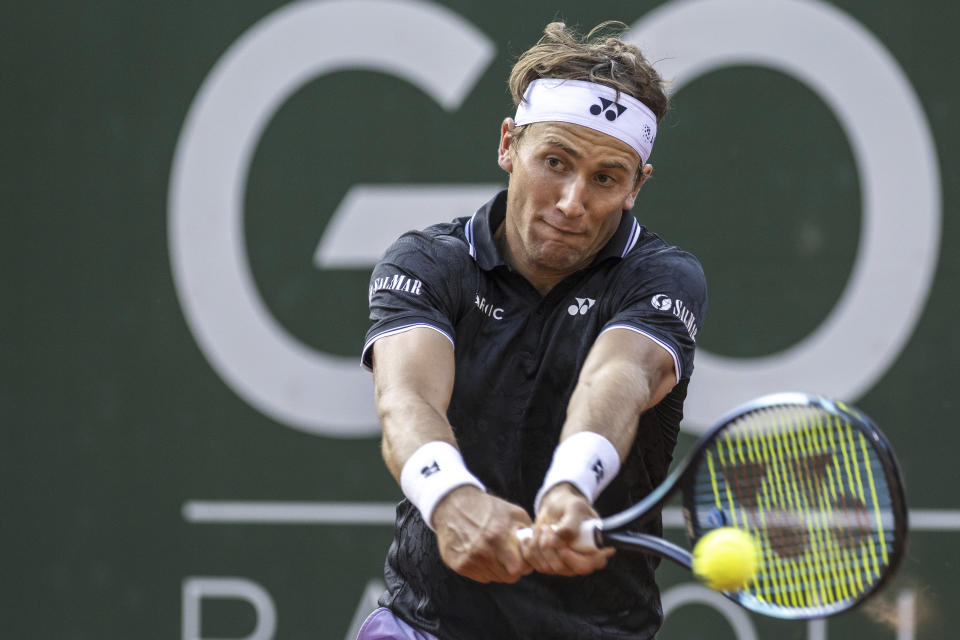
(554, 162)
(605, 179)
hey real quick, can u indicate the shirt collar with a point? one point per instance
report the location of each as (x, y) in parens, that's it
(479, 231)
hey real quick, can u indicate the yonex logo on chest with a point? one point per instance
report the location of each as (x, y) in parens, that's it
(611, 110)
(581, 307)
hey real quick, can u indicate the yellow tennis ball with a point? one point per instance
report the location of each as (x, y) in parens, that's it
(725, 559)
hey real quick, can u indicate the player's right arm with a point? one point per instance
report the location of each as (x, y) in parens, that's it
(413, 374)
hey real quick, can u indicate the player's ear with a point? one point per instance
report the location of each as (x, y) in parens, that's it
(632, 196)
(505, 153)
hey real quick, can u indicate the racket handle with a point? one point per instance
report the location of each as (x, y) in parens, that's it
(586, 540)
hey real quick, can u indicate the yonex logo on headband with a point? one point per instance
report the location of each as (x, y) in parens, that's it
(617, 114)
(604, 107)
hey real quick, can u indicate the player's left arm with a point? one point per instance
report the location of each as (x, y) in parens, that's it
(624, 374)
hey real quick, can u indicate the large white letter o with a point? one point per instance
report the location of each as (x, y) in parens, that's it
(857, 77)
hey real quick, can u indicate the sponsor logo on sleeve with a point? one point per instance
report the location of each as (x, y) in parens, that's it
(663, 302)
(396, 282)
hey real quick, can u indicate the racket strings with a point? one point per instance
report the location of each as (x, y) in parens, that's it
(811, 490)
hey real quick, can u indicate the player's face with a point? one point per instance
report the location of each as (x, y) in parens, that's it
(568, 186)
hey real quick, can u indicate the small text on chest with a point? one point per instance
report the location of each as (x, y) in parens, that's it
(487, 308)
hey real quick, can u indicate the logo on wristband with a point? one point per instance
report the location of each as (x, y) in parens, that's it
(429, 470)
(597, 469)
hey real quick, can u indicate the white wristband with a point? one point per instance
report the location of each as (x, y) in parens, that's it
(433, 471)
(586, 460)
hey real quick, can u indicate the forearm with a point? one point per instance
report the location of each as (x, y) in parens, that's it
(408, 422)
(413, 379)
(608, 399)
(624, 374)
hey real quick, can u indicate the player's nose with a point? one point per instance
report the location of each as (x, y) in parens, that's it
(571, 202)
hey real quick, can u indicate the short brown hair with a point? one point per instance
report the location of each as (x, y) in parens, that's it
(600, 56)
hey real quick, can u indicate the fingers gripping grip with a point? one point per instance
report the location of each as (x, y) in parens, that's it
(586, 538)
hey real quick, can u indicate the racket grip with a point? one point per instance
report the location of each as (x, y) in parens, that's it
(586, 540)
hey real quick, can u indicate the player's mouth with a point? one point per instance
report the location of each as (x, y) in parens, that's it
(561, 230)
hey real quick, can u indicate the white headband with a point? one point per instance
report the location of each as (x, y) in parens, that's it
(591, 105)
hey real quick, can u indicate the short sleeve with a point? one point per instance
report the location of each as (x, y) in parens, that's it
(665, 299)
(413, 286)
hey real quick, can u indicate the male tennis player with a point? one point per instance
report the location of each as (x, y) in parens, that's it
(531, 363)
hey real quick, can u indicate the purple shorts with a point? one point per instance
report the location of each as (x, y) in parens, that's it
(383, 625)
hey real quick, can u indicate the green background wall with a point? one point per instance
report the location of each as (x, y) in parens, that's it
(117, 425)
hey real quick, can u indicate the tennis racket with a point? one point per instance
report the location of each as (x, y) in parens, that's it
(815, 483)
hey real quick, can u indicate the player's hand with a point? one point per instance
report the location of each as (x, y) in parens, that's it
(549, 549)
(476, 533)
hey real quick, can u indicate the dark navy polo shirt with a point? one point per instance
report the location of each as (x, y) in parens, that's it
(518, 355)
